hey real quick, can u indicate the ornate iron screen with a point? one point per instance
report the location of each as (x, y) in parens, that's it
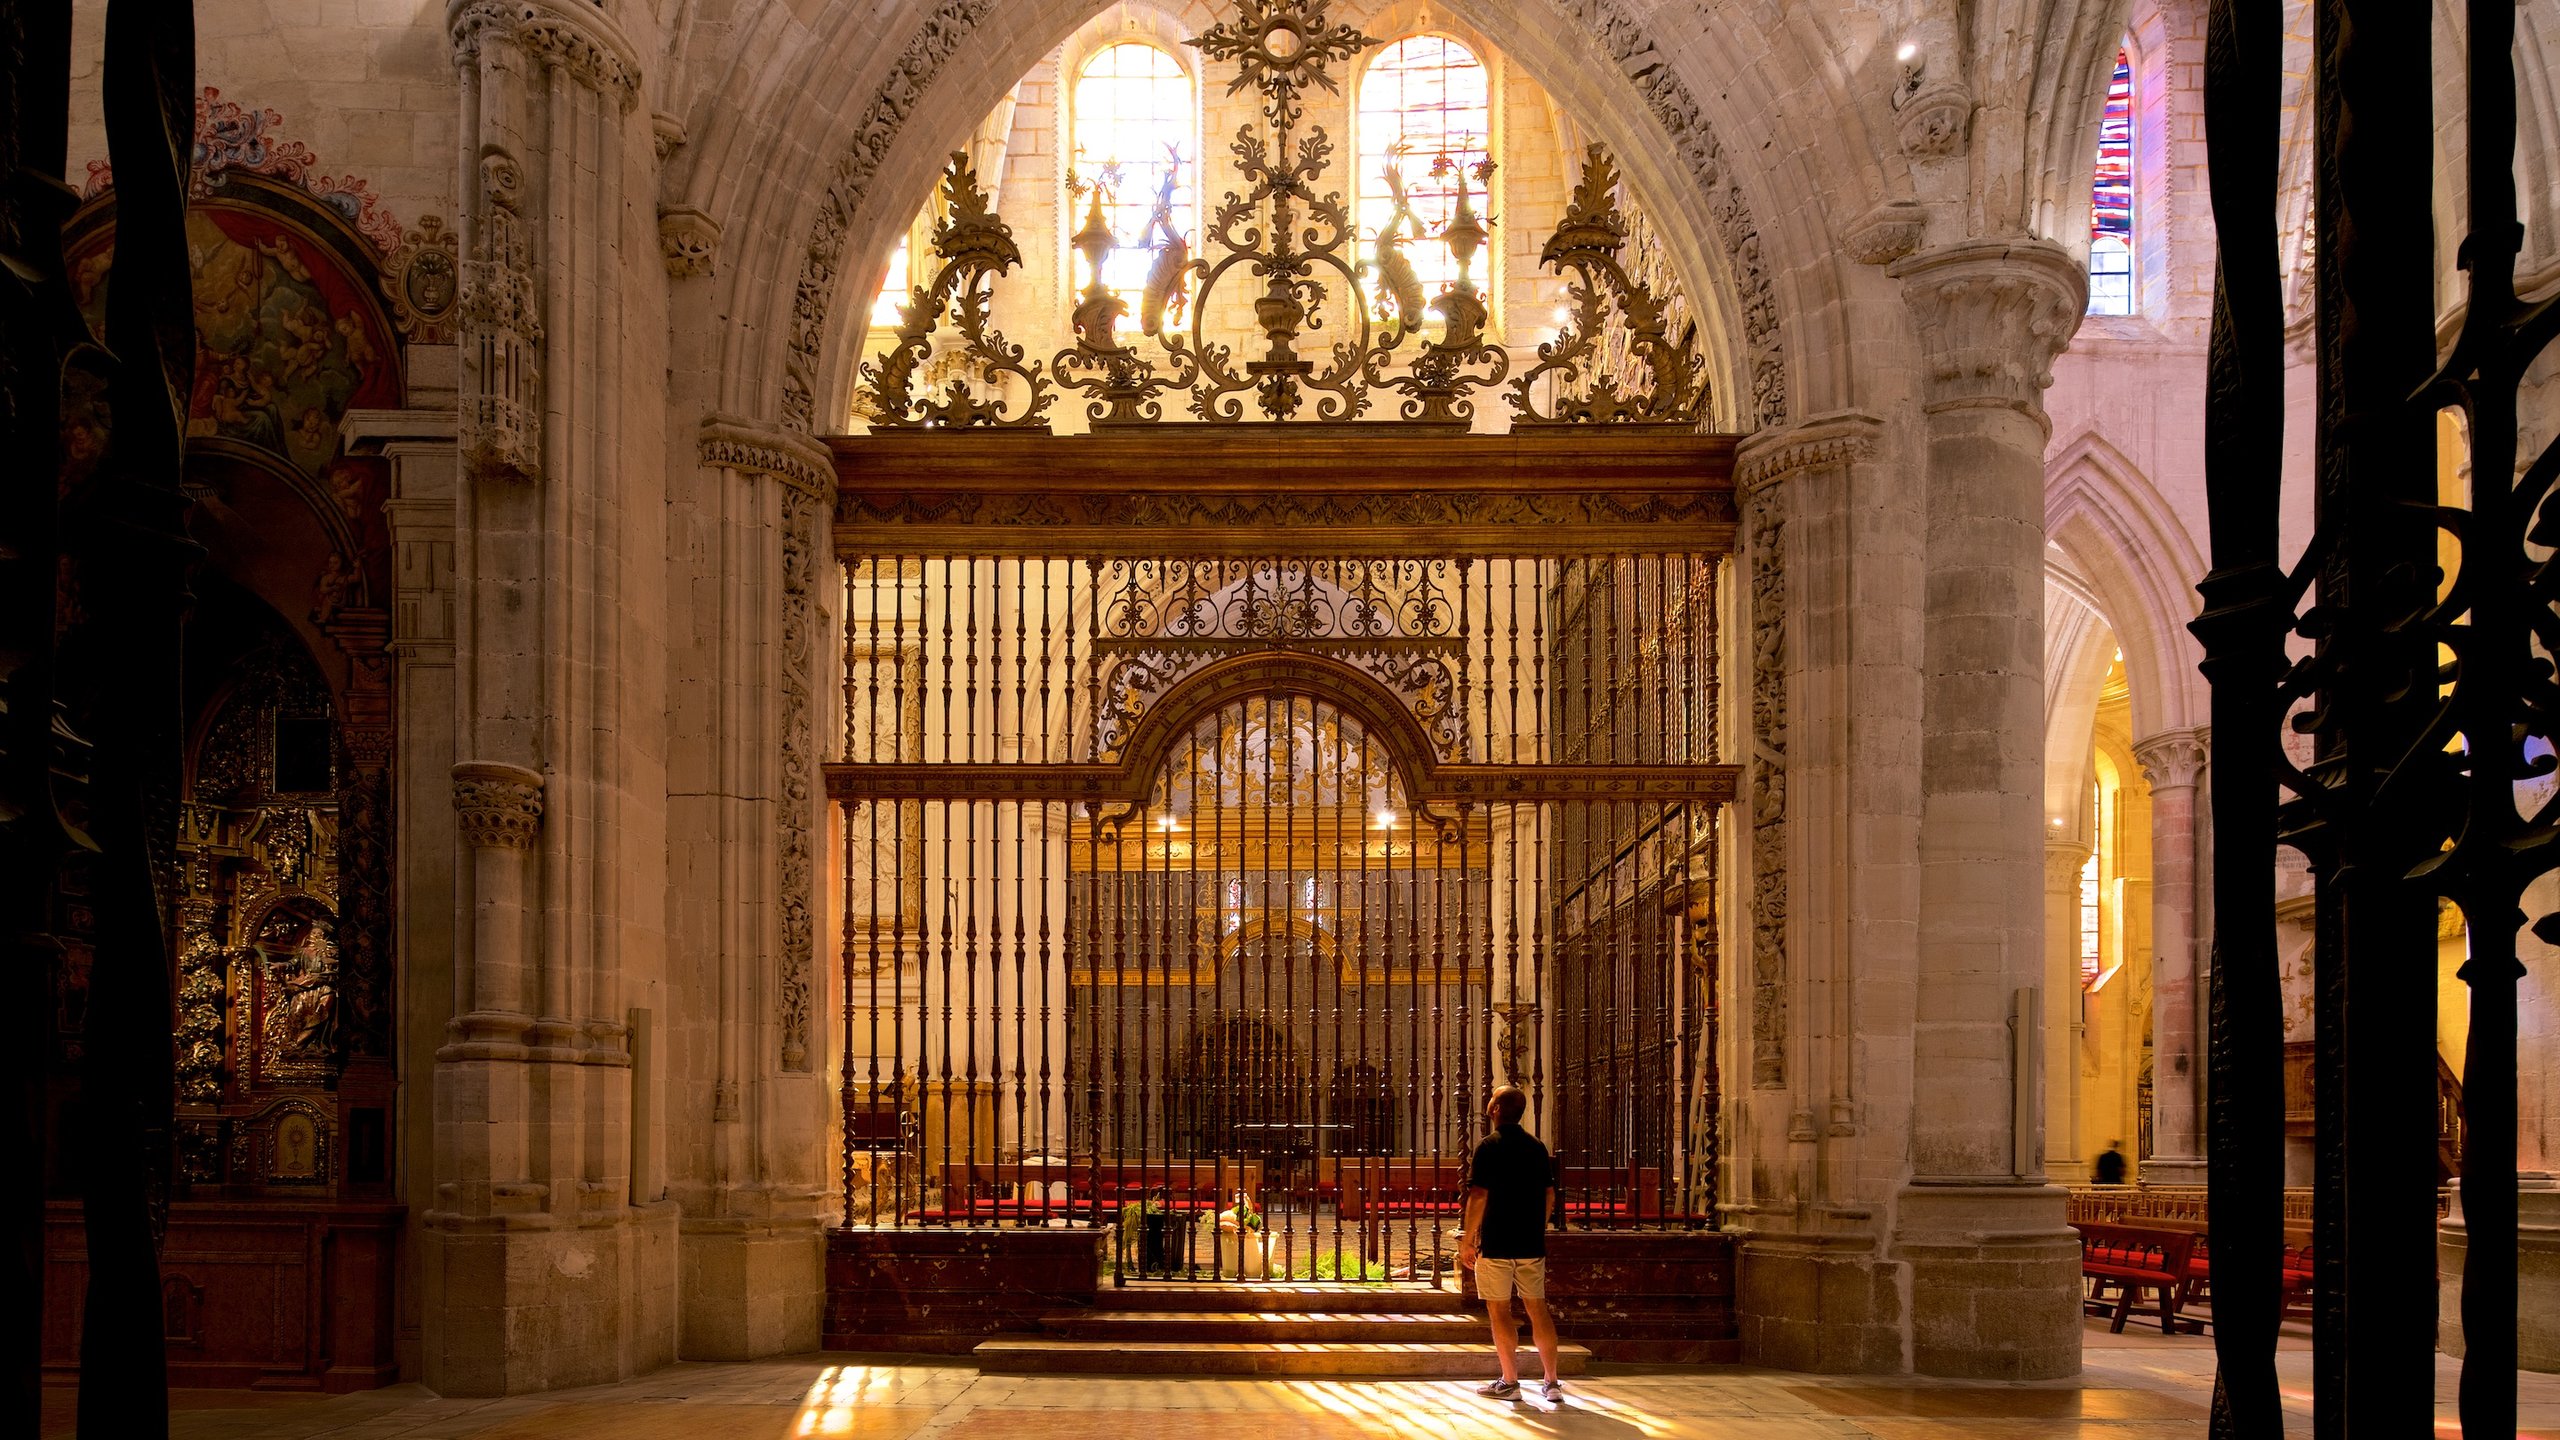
(1216, 840)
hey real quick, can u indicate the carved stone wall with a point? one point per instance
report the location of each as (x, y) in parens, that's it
(942, 35)
(1765, 515)
(806, 476)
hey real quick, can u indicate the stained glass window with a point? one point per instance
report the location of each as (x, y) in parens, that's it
(889, 308)
(1131, 115)
(1423, 98)
(2111, 200)
(2089, 921)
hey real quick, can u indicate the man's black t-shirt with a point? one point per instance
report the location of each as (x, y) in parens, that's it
(1511, 1168)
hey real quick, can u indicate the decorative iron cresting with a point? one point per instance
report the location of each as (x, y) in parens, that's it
(1303, 247)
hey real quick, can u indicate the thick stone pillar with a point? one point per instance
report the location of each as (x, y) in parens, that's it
(2063, 861)
(2172, 762)
(1994, 1270)
(750, 533)
(1817, 983)
(541, 1268)
(419, 445)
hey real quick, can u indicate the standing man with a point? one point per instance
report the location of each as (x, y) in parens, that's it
(2110, 1164)
(1504, 1239)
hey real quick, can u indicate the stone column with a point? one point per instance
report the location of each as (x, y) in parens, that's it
(1818, 940)
(2063, 862)
(2172, 762)
(751, 528)
(1994, 1270)
(418, 443)
(541, 1269)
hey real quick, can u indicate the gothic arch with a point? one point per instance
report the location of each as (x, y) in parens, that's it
(809, 194)
(2079, 646)
(2141, 566)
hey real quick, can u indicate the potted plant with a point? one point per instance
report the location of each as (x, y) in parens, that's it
(1154, 1231)
(1237, 1233)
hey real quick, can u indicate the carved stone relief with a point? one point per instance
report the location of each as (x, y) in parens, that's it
(801, 548)
(1767, 463)
(1681, 117)
(943, 34)
(1765, 516)
(501, 318)
(688, 239)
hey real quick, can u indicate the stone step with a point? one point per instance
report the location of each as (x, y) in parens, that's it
(1270, 1327)
(1299, 1297)
(1358, 1358)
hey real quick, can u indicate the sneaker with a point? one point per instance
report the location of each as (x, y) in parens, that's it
(1552, 1392)
(1499, 1389)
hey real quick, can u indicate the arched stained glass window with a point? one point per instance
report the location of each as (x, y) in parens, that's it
(2111, 200)
(1422, 98)
(1131, 119)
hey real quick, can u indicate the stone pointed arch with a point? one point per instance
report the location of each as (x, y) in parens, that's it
(2141, 566)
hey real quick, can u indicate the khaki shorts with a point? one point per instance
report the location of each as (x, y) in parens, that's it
(1497, 1279)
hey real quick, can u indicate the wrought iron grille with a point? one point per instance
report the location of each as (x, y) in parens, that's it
(1187, 890)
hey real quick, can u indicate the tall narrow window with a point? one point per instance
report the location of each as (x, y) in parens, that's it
(1131, 134)
(2089, 921)
(2111, 200)
(889, 307)
(1422, 99)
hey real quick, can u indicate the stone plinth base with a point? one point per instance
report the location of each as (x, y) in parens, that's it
(521, 1303)
(2537, 1276)
(1995, 1280)
(942, 1291)
(1643, 1297)
(255, 1294)
(750, 1289)
(1819, 1303)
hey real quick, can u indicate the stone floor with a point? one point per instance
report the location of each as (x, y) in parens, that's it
(2133, 1387)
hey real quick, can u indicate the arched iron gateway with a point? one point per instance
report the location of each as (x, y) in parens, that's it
(1186, 861)
(1227, 808)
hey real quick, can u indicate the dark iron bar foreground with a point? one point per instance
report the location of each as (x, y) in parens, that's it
(2404, 742)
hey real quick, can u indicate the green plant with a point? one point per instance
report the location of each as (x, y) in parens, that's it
(1335, 1265)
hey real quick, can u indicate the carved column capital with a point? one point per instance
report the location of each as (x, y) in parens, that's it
(580, 40)
(2063, 860)
(500, 805)
(1771, 454)
(688, 240)
(1991, 315)
(794, 457)
(2172, 759)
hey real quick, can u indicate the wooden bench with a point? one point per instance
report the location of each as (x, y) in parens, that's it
(2135, 1258)
(2296, 1281)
